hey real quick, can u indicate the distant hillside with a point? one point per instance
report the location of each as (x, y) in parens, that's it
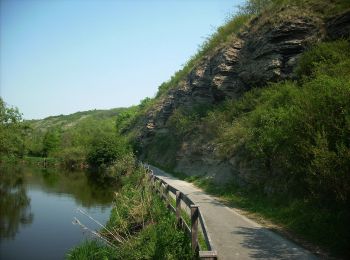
(69, 137)
(71, 120)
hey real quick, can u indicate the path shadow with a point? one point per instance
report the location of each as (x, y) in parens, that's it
(204, 199)
(265, 244)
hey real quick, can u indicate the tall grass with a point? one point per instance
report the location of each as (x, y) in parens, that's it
(143, 226)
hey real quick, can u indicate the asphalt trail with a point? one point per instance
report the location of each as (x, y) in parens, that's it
(235, 236)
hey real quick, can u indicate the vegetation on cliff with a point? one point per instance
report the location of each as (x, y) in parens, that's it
(287, 140)
(297, 134)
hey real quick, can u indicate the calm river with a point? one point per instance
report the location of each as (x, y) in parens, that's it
(37, 207)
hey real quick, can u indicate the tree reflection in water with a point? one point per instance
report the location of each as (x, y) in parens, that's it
(14, 204)
(86, 189)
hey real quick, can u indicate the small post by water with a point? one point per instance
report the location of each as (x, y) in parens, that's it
(194, 229)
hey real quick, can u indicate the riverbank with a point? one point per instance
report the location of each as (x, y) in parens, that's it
(44, 162)
(139, 227)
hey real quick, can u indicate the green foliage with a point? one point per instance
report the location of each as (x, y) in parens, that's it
(144, 103)
(121, 166)
(321, 59)
(12, 131)
(51, 142)
(127, 118)
(300, 133)
(142, 214)
(105, 149)
(91, 250)
(70, 137)
(8, 115)
(182, 122)
(320, 7)
(256, 6)
(145, 227)
(72, 156)
(163, 149)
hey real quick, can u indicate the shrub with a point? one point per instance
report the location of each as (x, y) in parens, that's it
(124, 165)
(72, 156)
(321, 59)
(11, 131)
(105, 149)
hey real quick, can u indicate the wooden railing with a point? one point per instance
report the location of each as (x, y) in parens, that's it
(167, 193)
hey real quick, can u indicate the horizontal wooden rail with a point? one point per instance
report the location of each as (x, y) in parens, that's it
(164, 189)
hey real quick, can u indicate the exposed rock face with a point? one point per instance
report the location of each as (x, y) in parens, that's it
(261, 55)
(264, 53)
(270, 53)
(339, 26)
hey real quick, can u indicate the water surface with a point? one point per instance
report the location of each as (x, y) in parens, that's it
(37, 207)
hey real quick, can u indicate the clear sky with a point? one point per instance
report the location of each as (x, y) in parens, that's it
(64, 56)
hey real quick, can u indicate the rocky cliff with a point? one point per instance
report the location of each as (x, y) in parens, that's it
(266, 50)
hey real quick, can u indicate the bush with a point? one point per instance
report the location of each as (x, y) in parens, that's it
(12, 131)
(72, 156)
(122, 166)
(321, 59)
(105, 149)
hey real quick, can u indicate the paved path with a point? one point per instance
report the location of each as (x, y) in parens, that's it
(233, 235)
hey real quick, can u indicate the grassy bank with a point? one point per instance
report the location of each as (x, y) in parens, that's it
(140, 226)
(50, 162)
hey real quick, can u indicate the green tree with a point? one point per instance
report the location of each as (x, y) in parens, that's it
(51, 142)
(11, 139)
(105, 149)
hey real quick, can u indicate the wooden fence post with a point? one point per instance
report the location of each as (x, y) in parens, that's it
(194, 229)
(153, 182)
(166, 193)
(156, 185)
(178, 206)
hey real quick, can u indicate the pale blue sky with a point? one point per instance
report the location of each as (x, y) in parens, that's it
(64, 56)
